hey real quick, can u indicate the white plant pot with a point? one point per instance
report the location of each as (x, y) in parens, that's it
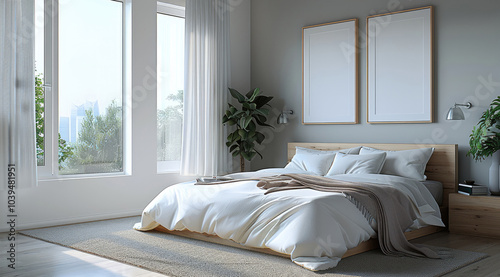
(494, 182)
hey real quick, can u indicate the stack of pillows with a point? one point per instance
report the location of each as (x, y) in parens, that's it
(362, 160)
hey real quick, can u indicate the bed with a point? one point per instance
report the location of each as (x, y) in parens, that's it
(441, 167)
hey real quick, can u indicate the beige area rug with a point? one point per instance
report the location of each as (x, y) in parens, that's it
(178, 256)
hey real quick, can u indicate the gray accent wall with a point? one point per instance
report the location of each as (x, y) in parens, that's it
(466, 68)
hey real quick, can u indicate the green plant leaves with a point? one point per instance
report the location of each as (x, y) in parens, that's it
(246, 119)
(237, 95)
(262, 100)
(255, 93)
(485, 137)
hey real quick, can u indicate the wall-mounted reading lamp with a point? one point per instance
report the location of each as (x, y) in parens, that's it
(283, 117)
(456, 113)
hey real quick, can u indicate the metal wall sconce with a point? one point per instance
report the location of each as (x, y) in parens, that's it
(456, 112)
(283, 117)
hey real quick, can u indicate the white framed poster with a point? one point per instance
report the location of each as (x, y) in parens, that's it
(399, 67)
(330, 73)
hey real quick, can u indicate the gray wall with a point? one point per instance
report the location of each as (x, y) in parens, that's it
(240, 43)
(466, 66)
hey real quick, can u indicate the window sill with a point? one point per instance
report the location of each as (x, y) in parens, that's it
(82, 176)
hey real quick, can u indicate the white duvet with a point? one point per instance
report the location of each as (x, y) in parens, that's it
(315, 228)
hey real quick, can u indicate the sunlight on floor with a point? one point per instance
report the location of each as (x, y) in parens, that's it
(110, 266)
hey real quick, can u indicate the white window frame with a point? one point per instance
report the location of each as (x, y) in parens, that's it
(50, 70)
(171, 9)
(177, 11)
(50, 169)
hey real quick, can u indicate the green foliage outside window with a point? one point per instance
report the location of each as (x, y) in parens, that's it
(169, 127)
(65, 150)
(99, 145)
(39, 119)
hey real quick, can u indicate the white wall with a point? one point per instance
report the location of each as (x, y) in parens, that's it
(64, 201)
(466, 66)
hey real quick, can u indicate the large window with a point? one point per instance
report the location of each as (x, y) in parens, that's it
(170, 96)
(83, 127)
(90, 85)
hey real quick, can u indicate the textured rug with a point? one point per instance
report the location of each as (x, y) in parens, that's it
(178, 256)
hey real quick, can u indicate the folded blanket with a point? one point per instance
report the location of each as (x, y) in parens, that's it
(392, 208)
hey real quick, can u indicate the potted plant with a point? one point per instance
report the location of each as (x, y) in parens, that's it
(485, 141)
(251, 114)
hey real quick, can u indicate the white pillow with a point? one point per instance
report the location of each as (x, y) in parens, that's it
(357, 164)
(316, 161)
(405, 163)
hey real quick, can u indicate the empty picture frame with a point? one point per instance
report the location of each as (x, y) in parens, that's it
(399, 67)
(330, 73)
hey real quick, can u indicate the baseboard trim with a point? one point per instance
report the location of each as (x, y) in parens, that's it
(72, 220)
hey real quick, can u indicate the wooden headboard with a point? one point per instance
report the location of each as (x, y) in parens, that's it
(442, 166)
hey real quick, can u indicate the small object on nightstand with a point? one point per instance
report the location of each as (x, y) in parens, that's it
(469, 188)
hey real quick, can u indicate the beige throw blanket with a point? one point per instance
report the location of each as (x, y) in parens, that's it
(393, 210)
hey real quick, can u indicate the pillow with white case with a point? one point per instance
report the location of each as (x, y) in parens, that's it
(406, 163)
(315, 161)
(357, 164)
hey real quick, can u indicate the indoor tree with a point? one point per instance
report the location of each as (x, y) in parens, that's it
(250, 114)
(485, 137)
(485, 141)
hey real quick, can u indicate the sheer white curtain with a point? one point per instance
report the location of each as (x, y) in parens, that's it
(17, 108)
(204, 152)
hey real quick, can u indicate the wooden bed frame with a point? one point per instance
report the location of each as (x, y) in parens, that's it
(442, 167)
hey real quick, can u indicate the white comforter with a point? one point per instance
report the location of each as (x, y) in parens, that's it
(315, 228)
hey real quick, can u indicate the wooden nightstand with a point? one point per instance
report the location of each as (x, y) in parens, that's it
(474, 215)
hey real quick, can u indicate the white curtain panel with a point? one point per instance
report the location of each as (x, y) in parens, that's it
(17, 108)
(204, 152)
